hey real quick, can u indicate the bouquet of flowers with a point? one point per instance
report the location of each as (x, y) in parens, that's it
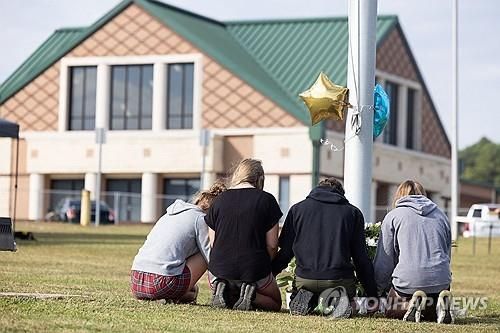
(372, 234)
(285, 279)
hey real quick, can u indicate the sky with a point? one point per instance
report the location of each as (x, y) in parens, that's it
(25, 24)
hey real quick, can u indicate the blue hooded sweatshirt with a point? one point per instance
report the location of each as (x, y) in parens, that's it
(414, 248)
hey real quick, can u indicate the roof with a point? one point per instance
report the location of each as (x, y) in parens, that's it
(305, 47)
(279, 68)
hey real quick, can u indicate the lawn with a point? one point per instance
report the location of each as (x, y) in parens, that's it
(94, 263)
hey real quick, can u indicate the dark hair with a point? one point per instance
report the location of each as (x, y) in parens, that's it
(333, 182)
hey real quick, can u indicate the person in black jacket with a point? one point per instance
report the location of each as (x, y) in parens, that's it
(325, 233)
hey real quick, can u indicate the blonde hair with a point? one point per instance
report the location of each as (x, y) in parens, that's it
(204, 199)
(408, 187)
(249, 171)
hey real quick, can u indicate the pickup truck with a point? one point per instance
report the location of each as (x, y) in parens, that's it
(480, 221)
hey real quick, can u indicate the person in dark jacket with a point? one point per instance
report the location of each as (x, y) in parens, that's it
(325, 233)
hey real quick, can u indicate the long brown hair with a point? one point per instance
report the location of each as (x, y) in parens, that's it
(204, 199)
(249, 171)
(408, 187)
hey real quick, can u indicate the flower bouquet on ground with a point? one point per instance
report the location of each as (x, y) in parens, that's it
(372, 234)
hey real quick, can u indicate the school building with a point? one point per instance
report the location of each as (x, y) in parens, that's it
(154, 75)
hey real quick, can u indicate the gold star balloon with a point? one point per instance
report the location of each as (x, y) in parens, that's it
(326, 100)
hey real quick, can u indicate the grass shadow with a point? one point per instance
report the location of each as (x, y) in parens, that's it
(43, 238)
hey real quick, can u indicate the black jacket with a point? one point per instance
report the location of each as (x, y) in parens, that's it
(324, 232)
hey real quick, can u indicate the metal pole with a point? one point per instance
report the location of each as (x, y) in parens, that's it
(16, 177)
(473, 238)
(454, 124)
(489, 238)
(203, 166)
(100, 139)
(116, 204)
(204, 138)
(98, 187)
(360, 81)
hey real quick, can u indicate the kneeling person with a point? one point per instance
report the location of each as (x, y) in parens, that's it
(325, 232)
(412, 263)
(176, 252)
(243, 228)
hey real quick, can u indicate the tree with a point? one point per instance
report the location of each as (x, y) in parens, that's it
(481, 162)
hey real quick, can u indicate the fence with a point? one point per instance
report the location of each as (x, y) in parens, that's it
(125, 206)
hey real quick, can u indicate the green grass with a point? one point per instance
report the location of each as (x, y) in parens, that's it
(95, 262)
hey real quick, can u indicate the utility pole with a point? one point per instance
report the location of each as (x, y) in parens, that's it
(360, 81)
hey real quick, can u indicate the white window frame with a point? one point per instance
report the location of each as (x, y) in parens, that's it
(103, 89)
(404, 85)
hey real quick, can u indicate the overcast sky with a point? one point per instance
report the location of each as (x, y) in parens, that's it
(25, 24)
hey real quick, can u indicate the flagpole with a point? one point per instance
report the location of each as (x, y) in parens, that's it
(360, 81)
(455, 188)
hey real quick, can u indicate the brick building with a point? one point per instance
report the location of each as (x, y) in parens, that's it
(154, 75)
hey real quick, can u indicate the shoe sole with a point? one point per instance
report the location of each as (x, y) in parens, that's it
(218, 300)
(300, 304)
(244, 303)
(444, 301)
(343, 310)
(341, 307)
(414, 312)
(242, 296)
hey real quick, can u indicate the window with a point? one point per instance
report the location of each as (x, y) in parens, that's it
(410, 119)
(284, 193)
(126, 199)
(179, 189)
(476, 213)
(131, 97)
(62, 188)
(180, 96)
(391, 129)
(82, 94)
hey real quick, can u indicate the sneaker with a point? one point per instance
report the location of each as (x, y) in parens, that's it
(444, 309)
(195, 290)
(247, 295)
(219, 294)
(334, 302)
(301, 303)
(417, 304)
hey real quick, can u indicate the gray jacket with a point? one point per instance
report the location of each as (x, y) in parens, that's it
(414, 248)
(177, 235)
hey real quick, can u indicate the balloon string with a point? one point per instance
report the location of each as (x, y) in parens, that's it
(357, 111)
(333, 147)
(356, 118)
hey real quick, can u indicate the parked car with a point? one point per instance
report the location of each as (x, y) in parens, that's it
(68, 210)
(480, 219)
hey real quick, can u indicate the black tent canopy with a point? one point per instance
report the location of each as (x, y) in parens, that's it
(9, 129)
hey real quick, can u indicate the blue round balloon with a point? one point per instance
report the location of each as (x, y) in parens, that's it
(381, 111)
